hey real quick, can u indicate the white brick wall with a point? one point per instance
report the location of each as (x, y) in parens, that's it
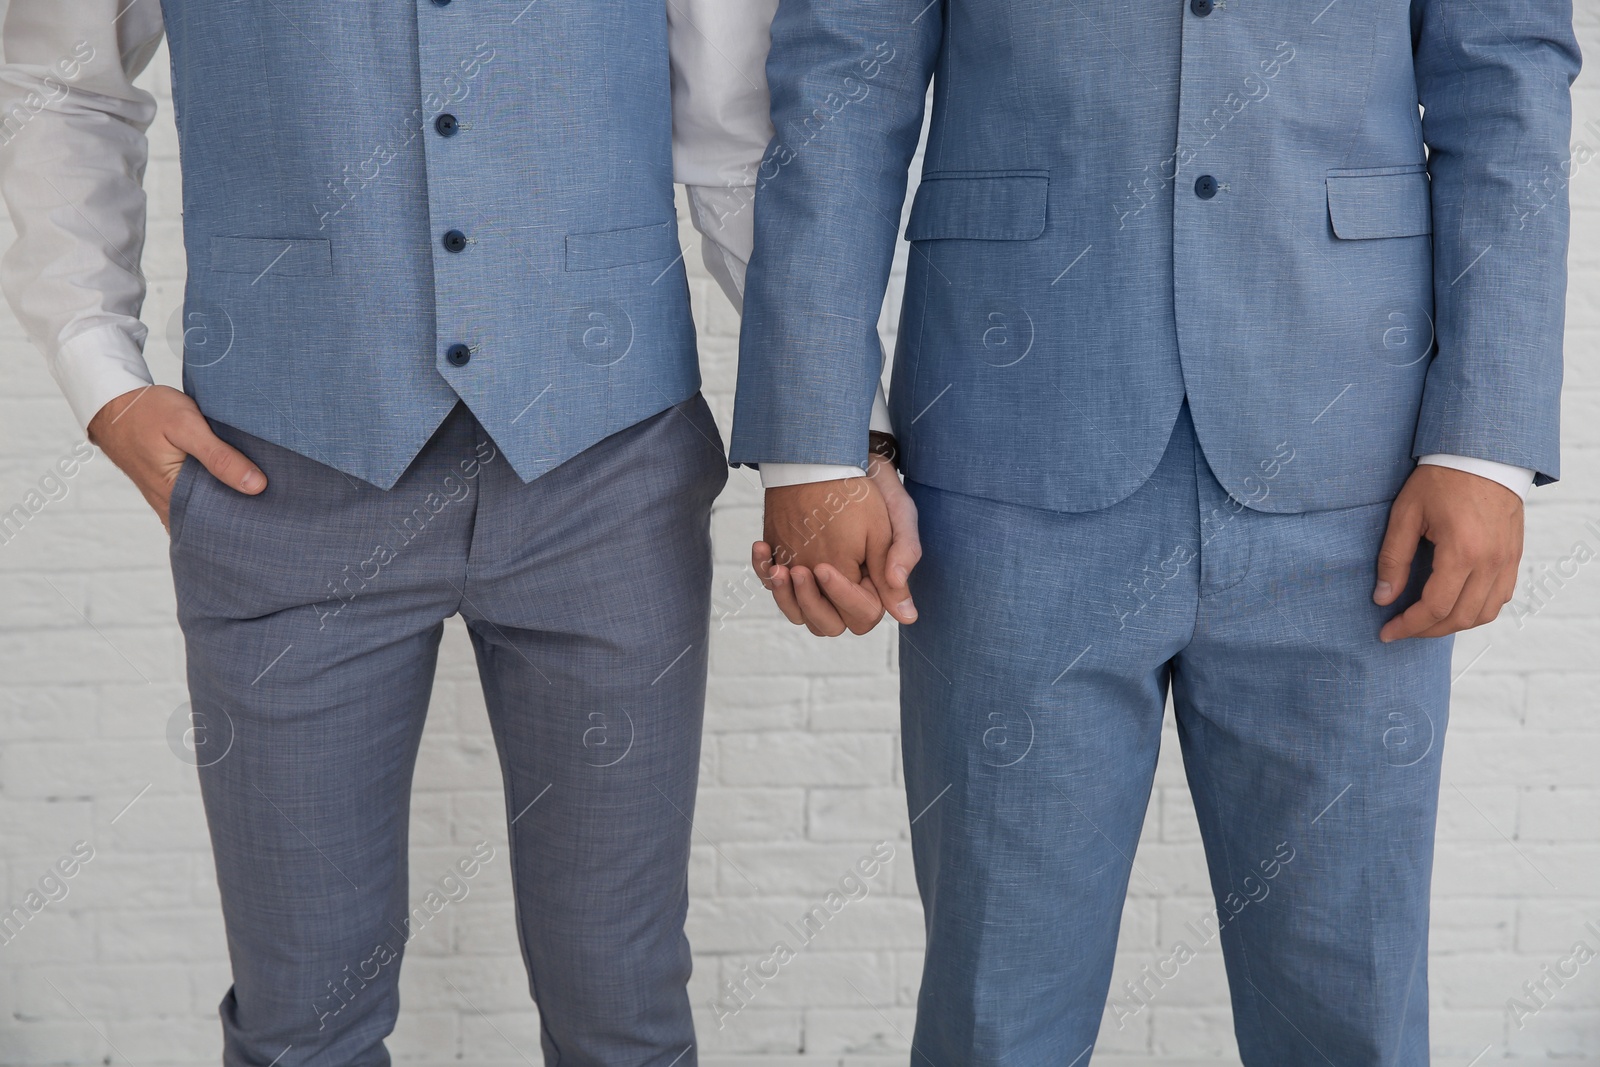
(800, 779)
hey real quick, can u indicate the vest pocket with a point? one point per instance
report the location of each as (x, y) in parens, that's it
(622, 248)
(288, 257)
(1380, 202)
(980, 206)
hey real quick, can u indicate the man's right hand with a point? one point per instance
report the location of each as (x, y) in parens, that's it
(149, 431)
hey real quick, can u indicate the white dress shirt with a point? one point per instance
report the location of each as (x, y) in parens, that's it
(73, 153)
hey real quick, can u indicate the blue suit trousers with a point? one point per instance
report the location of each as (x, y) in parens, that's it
(1034, 687)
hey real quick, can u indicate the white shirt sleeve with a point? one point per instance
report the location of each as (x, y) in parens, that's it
(72, 161)
(721, 122)
(1517, 479)
(721, 125)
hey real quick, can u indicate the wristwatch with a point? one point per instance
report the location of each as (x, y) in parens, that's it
(884, 446)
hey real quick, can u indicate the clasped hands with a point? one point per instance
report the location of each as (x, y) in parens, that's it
(838, 554)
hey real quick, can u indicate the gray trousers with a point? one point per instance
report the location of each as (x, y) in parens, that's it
(312, 616)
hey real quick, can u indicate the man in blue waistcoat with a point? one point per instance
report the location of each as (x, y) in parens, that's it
(1231, 342)
(437, 358)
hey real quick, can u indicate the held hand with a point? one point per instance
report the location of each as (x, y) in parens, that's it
(148, 432)
(905, 550)
(837, 552)
(1475, 526)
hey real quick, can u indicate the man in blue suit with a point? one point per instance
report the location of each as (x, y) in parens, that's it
(438, 359)
(1231, 340)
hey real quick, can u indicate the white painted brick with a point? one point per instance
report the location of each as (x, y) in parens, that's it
(1558, 814)
(856, 814)
(763, 1031)
(733, 704)
(866, 1029)
(751, 814)
(433, 1035)
(849, 704)
(793, 758)
(1195, 1032)
(1463, 925)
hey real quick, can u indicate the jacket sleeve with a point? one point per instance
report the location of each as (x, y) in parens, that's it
(1494, 79)
(849, 80)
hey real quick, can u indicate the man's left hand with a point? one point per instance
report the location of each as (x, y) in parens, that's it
(1475, 525)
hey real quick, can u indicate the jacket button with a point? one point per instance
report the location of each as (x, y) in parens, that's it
(458, 355)
(1205, 187)
(1201, 8)
(454, 241)
(446, 125)
(441, 3)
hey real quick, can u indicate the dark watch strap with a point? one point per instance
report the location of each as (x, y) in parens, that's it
(884, 446)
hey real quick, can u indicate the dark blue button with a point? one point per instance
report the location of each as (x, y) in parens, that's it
(447, 125)
(458, 355)
(455, 241)
(1201, 8)
(441, 3)
(1205, 187)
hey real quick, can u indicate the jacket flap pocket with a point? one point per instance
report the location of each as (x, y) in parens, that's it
(621, 248)
(1376, 203)
(980, 207)
(286, 257)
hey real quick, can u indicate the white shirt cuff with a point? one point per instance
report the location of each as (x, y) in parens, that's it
(1517, 479)
(97, 366)
(774, 475)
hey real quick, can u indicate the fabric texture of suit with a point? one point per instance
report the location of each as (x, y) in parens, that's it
(1123, 205)
(312, 616)
(341, 244)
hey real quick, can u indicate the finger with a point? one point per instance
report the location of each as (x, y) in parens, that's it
(891, 572)
(783, 596)
(1439, 596)
(1469, 605)
(905, 552)
(820, 616)
(1505, 582)
(856, 602)
(1507, 587)
(761, 561)
(1399, 548)
(227, 464)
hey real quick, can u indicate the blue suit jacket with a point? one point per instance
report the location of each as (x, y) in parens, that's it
(1124, 204)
